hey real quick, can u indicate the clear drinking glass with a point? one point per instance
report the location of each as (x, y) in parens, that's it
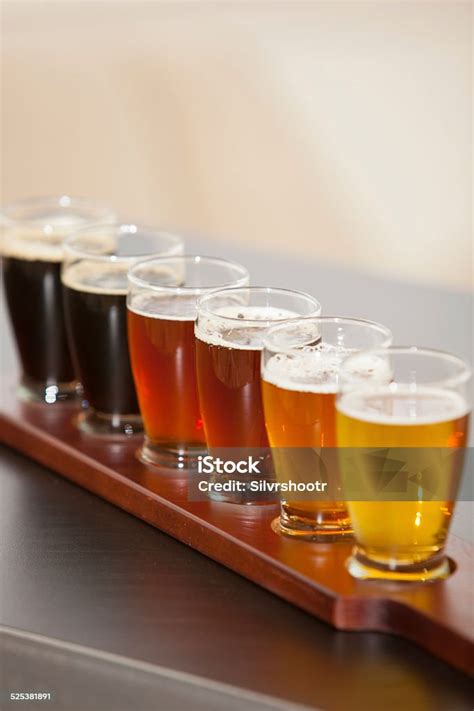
(300, 380)
(94, 278)
(229, 330)
(404, 427)
(161, 312)
(32, 235)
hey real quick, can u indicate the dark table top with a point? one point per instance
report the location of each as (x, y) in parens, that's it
(77, 569)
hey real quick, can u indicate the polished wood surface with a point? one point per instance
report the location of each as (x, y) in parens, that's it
(311, 576)
(79, 569)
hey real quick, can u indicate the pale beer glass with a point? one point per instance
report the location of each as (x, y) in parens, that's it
(402, 436)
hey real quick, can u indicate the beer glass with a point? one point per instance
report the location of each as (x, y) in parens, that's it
(94, 278)
(405, 435)
(229, 329)
(300, 379)
(161, 313)
(32, 236)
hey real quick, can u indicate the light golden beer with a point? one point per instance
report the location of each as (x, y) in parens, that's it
(299, 385)
(416, 428)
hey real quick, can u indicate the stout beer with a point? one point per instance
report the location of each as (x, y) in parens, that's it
(94, 276)
(34, 299)
(32, 236)
(96, 316)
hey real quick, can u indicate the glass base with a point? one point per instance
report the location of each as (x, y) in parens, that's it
(49, 393)
(437, 568)
(311, 533)
(311, 521)
(98, 423)
(173, 458)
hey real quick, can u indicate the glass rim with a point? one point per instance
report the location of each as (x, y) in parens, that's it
(120, 229)
(465, 369)
(55, 202)
(201, 304)
(186, 258)
(269, 345)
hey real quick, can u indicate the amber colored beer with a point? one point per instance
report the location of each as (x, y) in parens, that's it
(162, 304)
(162, 352)
(300, 383)
(229, 379)
(404, 534)
(228, 362)
(302, 420)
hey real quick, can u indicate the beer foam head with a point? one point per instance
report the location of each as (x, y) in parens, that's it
(96, 277)
(163, 305)
(317, 368)
(40, 239)
(239, 327)
(395, 404)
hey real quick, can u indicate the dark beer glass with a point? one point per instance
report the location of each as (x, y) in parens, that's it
(161, 313)
(32, 235)
(94, 277)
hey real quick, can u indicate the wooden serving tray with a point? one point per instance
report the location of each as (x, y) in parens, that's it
(436, 616)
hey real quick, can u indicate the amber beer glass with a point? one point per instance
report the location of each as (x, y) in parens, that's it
(31, 248)
(94, 277)
(161, 314)
(300, 379)
(229, 331)
(415, 422)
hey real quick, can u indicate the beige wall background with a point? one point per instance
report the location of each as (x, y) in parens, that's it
(337, 131)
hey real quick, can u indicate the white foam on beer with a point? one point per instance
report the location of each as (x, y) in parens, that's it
(216, 330)
(41, 240)
(170, 307)
(395, 404)
(97, 278)
(316, 369)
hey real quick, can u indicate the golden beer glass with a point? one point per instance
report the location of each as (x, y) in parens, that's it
(404, 435)
(300, 380)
